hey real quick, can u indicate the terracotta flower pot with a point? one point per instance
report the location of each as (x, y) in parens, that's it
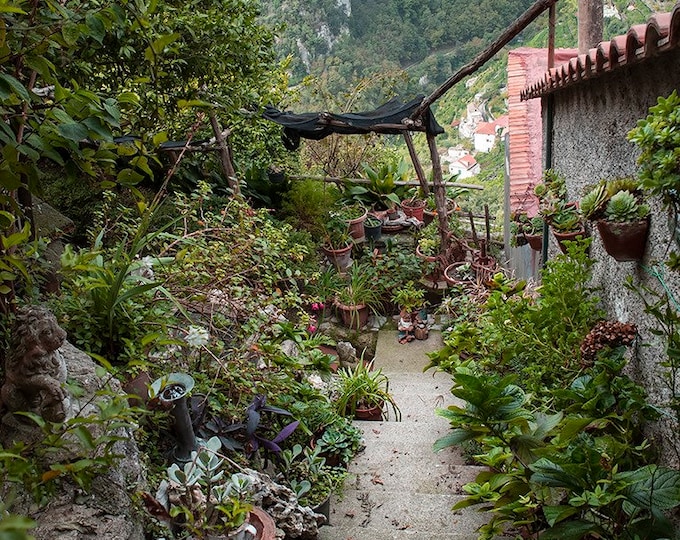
(451, 276)
(624, 241)
(428, 258)
(413, 208)
(263, 523)
(535, 241)
(373, 414)
(356, 226)
(570, 236)
(353, 317)
(341, 258)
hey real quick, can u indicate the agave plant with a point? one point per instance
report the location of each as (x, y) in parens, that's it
(624, 207)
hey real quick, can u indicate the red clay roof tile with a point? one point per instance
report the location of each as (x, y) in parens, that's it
(659, 34)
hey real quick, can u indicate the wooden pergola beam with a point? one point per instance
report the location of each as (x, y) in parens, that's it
(510, 33)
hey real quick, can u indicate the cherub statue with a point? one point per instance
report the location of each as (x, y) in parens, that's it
(35, 370)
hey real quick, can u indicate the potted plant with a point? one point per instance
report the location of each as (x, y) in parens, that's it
(372, 228)
(409, 298)
(381, 189)
(363, 393)
(459, 274)
(354, 216)
(339, 442)
(305, 471)
(621, 217)
(566, 224)
(526, 230)
(337, 245)
(414, 206)
(197, 498)
(357, 295)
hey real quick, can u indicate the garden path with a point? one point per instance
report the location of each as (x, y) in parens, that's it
(398, 487)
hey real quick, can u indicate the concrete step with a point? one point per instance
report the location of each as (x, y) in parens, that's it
(386, 440)
(363, 514)
(329, 532)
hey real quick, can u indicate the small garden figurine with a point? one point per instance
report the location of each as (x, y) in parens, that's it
(406, 327)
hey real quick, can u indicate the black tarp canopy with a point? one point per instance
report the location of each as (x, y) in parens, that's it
(392, 118)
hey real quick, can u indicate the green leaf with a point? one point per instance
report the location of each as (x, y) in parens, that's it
(129, 177)
(73, 131)
(572, 426)
(85, 437)
(42, 65)
(128, 98)
(653, 487)
(555, 514)
(573, 530)
(457, 436)
(96, 26)
(71, 33)
(157, 47)
(15, 85)
(547, 473)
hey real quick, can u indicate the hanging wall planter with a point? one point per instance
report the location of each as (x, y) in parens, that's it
(624, 241)
(535, 241)
(562, 237)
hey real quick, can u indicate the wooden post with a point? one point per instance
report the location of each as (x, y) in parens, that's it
(487, 224)
(439, 193)
(416, 164)
(225, 155)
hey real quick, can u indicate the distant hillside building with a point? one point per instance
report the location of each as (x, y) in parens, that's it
(485, 136)
(468, 125)
(465, 167)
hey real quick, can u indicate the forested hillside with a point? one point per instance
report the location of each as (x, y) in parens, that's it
(412, 46)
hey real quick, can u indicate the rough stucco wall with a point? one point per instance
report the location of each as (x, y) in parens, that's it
(591, 121)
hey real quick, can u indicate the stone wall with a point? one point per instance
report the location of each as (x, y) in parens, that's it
(591, 120)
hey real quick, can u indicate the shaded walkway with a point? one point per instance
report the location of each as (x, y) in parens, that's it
(398, 487)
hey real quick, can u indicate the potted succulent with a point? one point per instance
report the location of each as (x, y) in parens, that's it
(337, 245)
(526, 230)
(621, 217)
(357, 295)
(339, 442)
(566, 224)
(363, 393)
(197, 498)
(306, 472)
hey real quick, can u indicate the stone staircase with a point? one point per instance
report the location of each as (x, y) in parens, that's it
(398, 487)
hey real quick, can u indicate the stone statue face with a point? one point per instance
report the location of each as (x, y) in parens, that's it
(52, 336)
